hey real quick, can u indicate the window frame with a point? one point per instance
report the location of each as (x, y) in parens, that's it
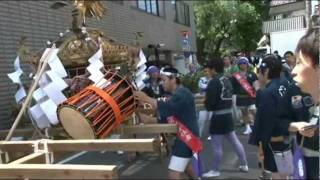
(149, 9)
(185, 13)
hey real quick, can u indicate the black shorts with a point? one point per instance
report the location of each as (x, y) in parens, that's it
(180, 149)
(221, 124)
(312, 167)
(269, 162)
(245, 101)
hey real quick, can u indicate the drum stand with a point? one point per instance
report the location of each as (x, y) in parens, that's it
(39, 159)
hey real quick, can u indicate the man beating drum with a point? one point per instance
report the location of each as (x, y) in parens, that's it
(179, 109)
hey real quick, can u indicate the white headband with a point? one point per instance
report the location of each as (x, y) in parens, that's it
(168, 73)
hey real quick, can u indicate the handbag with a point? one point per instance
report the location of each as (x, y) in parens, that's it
(298, 161)
(284, 161)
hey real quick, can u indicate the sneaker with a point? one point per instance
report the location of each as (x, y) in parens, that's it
(120, 152)
(243, 168)
(211, 173)
(247, 131)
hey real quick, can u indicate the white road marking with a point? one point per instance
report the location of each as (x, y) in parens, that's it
(72, 157)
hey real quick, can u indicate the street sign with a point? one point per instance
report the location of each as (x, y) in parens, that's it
(185, 41)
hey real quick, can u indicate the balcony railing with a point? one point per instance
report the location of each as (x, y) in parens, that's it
(277, 2)
(284, 24)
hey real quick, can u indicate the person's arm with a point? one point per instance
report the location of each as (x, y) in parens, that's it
(235, 84)
(211, 94)
(171, 106)
(294, 121)
(268, 115)
(147, 119)
(144, 98)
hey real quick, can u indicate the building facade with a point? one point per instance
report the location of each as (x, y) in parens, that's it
(167, 28)
(289, 15)
(285, 15)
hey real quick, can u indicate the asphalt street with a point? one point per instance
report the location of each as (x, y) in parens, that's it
(148, 166)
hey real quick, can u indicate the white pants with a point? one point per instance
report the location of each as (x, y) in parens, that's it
(203, 122)
(178, 163)
(235, 110)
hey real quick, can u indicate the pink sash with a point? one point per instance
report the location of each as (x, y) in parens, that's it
(245, 85)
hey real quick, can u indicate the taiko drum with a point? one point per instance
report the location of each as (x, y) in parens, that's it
(98, 109)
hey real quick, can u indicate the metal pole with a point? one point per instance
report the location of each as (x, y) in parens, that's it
(156, 53)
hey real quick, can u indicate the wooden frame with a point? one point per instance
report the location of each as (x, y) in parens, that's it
(149, 129)
(37, 163)
(57, 171)
(32, 166)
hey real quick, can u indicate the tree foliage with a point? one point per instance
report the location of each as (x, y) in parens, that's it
(225, 25)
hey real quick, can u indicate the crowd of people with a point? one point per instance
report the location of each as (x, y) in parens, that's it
(279, 103)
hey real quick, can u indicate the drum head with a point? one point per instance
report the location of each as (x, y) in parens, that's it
(76, 125)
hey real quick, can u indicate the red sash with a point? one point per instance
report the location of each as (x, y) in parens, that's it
(185, 135)
(245, 85)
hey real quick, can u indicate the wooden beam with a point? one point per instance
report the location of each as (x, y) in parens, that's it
(200, 107)
(35, 158)
(17, 146)
(150, 129)
(17, 132)
(28, 132)
(148, 145)
(141, 145)
(57, 171)
(199, 101)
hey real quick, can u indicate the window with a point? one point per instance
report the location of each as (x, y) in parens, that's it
(182, 12)
(150, 6)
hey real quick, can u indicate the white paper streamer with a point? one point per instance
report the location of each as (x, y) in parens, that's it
(140, 73)
(95, 67)
(15, 78)
(39, 116)
(142, 58)
(50, 110)
(49, 94)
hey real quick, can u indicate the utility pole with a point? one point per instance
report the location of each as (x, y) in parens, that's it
(308, 13)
